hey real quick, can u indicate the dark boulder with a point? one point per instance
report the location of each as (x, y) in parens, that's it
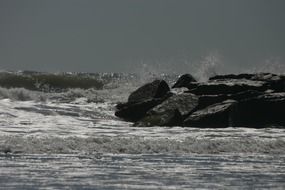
(207, 100)
(167, 118)
(276, 83)
(171, 112)
(215, 116)
(245, 95)
(244, 100)
(155, 89)
(184, 81)
(232, 76)
(142, 100)
(248, 76)
(271, 81)
(262, 111)
(135, 110)
(232, 86)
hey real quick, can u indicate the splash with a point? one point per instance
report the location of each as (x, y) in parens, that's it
(208, 67)
(202, 69)
(271, 65)
(21, 94)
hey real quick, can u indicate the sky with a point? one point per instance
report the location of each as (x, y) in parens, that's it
(116, 35)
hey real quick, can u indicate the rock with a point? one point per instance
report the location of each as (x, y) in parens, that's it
(155, 89)
(262, 111)
(272, 81)
(276, 83)
(135, 110)
(142, 100)
(255, 76)
(231, 86)
(244, 100)
(168, 118)
(171, 112)
(232, 76)
(215, 116)
(184, 81)
(207, 100)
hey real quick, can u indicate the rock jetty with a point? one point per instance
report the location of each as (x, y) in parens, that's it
(241, 100)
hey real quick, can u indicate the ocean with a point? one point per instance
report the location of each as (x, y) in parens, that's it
(58, 131)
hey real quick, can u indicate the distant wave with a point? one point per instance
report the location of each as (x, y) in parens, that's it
(58, 82)
(48, 81)
(139, 145)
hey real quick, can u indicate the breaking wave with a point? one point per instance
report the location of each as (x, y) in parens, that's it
(139, 145)
(48, 82)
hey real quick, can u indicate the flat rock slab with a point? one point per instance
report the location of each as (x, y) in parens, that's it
(207, 100)
(231, 86)
(214, 116)
(262, 111)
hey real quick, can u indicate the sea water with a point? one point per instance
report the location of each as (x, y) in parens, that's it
(72, 140)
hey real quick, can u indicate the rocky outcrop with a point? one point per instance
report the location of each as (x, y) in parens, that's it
(133, 111)
(244, 100)
(230, 86)
(184, 81)
(262, 111)
(155, 89)
(170, 112)
(142, 100)
(214, 116)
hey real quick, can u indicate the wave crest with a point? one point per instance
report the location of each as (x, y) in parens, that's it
(49, 82)
(139, 145)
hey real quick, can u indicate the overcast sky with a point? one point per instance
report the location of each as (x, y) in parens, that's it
(110, 35)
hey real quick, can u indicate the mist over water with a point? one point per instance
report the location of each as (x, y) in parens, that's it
(205, 67)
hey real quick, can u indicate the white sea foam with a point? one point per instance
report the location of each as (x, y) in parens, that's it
(21, 94)
(81, 126)
(80, 120)
(72, 139)
(140, 145)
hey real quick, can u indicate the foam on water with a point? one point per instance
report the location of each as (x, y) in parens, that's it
(84, 127)
(149, 172)
(72, 140)
(141, 145)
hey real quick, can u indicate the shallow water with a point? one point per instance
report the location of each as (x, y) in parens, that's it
(66, 141)
(146, 171)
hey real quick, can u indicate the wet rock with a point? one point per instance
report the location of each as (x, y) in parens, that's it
(181, 90)
(207, 100)
(232, 86)
(244, 100)
(142, 100)
(271, 81)
(133, 111)
(170, 112)
(184, 81)
(232, 76)
(276, 83)
(167, 118)
(263, 111)
(215, 116)
(155, 89)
